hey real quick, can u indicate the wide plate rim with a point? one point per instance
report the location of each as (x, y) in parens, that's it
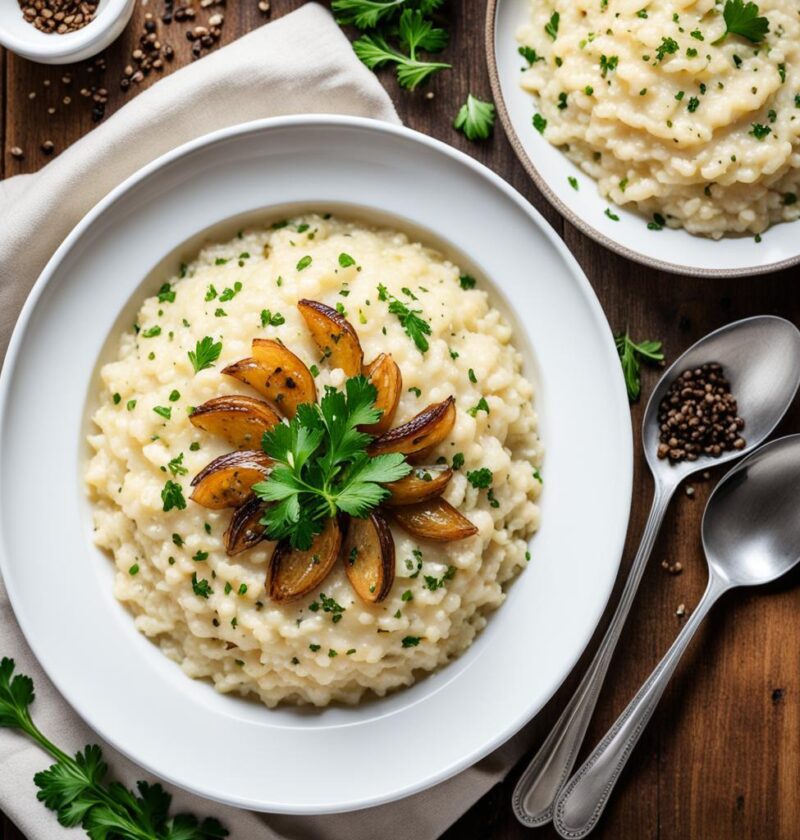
(624, 478)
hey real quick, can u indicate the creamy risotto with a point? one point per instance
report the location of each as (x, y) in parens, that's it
(211, 612)
(691, 130)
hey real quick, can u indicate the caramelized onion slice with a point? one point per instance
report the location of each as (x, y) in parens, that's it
(295, 573)
(245, 529)
(435, 520)
(429, 428)
(240, 420)
(384, 373)
(421, 484)
(368, 554)
(334, 335)
(227, 480)
(277, 374)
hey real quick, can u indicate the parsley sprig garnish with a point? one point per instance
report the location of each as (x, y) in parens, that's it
(417, 328)
(475, 118)
(631, 355)
(414, 33)
(322, 466)
(743, 19)
(77, 790)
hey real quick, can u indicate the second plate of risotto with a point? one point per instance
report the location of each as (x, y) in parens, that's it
(323, 470)
(668, 131)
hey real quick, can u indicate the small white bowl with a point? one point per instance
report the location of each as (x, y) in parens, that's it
(24, 39)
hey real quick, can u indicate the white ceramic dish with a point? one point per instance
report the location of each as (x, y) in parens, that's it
(19, 36)
(671, 250)
(290, 760)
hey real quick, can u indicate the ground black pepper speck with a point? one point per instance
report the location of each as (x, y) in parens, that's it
(699, 416)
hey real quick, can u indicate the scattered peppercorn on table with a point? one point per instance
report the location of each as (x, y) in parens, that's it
(722, 756)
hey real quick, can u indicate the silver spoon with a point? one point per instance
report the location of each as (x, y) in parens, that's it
(751, 536)
(761, 359)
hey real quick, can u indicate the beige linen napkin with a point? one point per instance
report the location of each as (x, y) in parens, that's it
(301, 63)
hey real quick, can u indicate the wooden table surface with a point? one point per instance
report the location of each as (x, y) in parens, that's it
(721, 759)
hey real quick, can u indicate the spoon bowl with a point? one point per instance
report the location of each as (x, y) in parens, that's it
(751, 528)
(760, 357)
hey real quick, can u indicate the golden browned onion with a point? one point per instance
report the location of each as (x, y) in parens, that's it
(435, 520)
(368, 554)
(334, 335)
(277, 374)
(228, 480)
(295, 573)
(240, 420)
(245, 529)
(384, 373)
(429, 428)
(420, 484)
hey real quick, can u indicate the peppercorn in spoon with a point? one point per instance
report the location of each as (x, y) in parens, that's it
(751, 536)
(755, 365)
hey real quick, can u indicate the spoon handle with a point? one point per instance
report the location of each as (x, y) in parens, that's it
(584, 797)
(539, 785)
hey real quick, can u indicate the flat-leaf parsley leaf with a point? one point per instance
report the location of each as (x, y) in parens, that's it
(631, 354)
(475, 118)
(205, 353)
(743, 19)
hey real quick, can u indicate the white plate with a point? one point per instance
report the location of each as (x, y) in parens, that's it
(667, 249)
(289, 760)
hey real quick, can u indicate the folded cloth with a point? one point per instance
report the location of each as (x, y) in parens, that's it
(301, 63)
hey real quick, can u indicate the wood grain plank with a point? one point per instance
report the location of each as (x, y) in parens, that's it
(721, 759)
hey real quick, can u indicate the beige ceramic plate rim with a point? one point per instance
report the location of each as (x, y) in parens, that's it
(572, 217)
(599, 552)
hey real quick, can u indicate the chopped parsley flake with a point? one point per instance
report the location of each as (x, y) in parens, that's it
(271, 319)
(668, 46)
(172, 497)
(201, 588)
(166, 294)
(530, 55)
(608, 64)
(176, 467)
(416, 328)
(481, 406)
(551, 27)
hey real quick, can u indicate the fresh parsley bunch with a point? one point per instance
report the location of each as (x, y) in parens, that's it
(395, 32)
(76, 788)
(322, 466)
